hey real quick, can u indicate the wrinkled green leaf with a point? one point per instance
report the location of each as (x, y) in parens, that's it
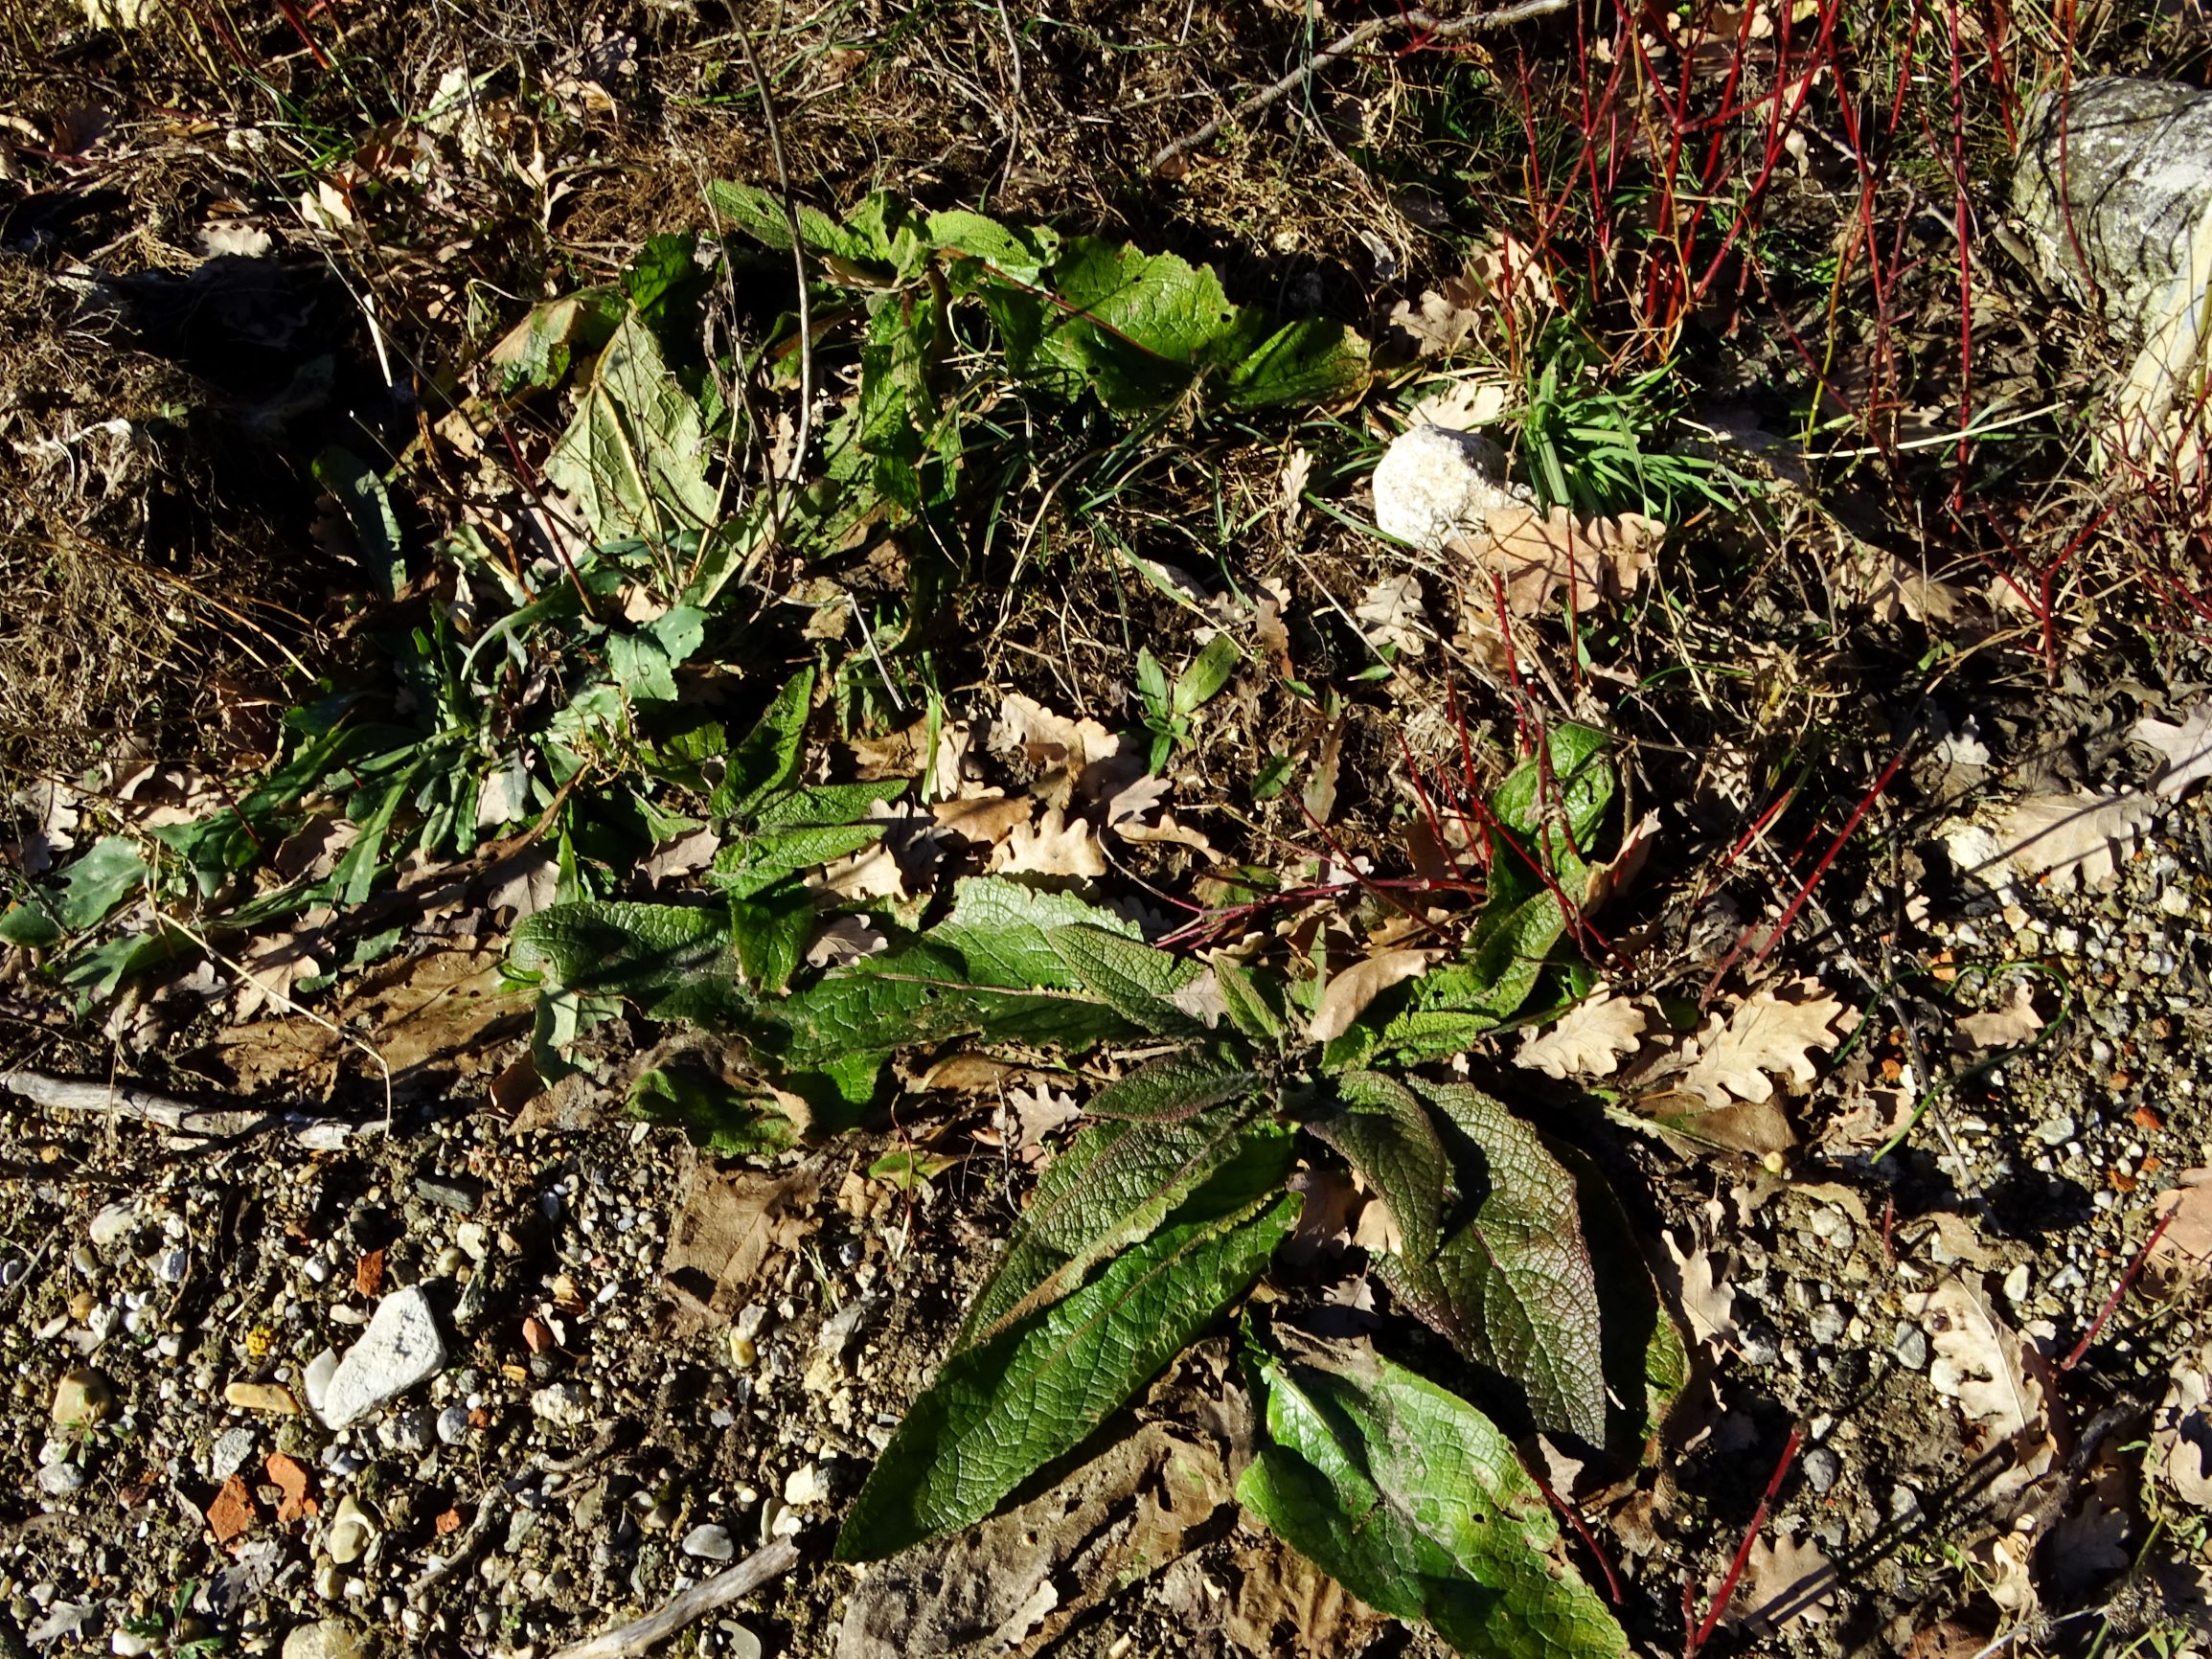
(1378, 1127)
(1310, 361)
(1023, 254)
(1001, 1410)
(691, 1095)
(770, 937)
(674, 962)
(1248, 1008)
(1414, 1502)
(635, 456)
(111, 871)
(767, 760)
(1512, 1284)
(1177, 1085)
(1130, 976)
(1112, 1187)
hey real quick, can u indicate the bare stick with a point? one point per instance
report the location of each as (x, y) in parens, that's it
(178, 1117)
(688, 1607)
(1435, 28)
(798, 259)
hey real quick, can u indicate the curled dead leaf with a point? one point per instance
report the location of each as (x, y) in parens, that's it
(1352, 989)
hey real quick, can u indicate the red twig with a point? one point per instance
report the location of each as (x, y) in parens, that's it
(1804, 892)
(1582, 1532)
(2119, 1290)
(1703, 1633)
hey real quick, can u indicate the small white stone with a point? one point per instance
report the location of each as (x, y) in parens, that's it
(805, 1486)
(562, 1404)
(1434, 483)
(401, 1348)
(324, 1639)
(109, 1226)
(350, 1533)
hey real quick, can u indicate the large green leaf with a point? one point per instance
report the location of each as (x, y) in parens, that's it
(1130, 976)
(1512, 1285)
(1023, 254)
(759, 215)
(1006, 932)
(766, 762)
(634, 458)
(1176, 1085)
(111, 871)
(1310, 361)
(928, 993)
(1414, 1502)
(1383, 1132)
(672, 961)
(1110, 1188)
(1001, 1410)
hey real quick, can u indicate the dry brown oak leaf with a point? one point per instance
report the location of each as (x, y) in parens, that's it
(1997, 1381)
(1772, 1033)
(1536, 555)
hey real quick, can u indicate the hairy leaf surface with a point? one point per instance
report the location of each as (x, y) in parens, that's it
(1112, 1187)
(1513, 1286)
(1000, 1410)
(1381, 1130)
(674, 962)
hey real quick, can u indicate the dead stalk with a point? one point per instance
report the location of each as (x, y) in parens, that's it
(1431, 27)
(798, 260)
(688, 1607)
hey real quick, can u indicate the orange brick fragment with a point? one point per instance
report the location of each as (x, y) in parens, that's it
(232, 1513)
(449, 1522)
(369, 1273)
(2143, 1118)
(288, 1478)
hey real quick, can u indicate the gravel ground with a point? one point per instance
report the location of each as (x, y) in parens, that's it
(590, 1434)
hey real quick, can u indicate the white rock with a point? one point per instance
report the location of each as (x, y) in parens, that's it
(401, 1348)
(128, 1644)
(1434, 483)
(805, 1486)
(109, 1226)
(315, 1378)
(562, 1404)
(324, 1639)
(228, 1453)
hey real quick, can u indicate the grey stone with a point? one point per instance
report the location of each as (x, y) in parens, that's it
(447, 1193)
(709, 1543)
(1909, 1343)
(59, 1480)
(453, 1425)
(1822, 1468)
(2135, 158)
(401, 1348)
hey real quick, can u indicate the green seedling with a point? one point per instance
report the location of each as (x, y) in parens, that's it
(1168, 708)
